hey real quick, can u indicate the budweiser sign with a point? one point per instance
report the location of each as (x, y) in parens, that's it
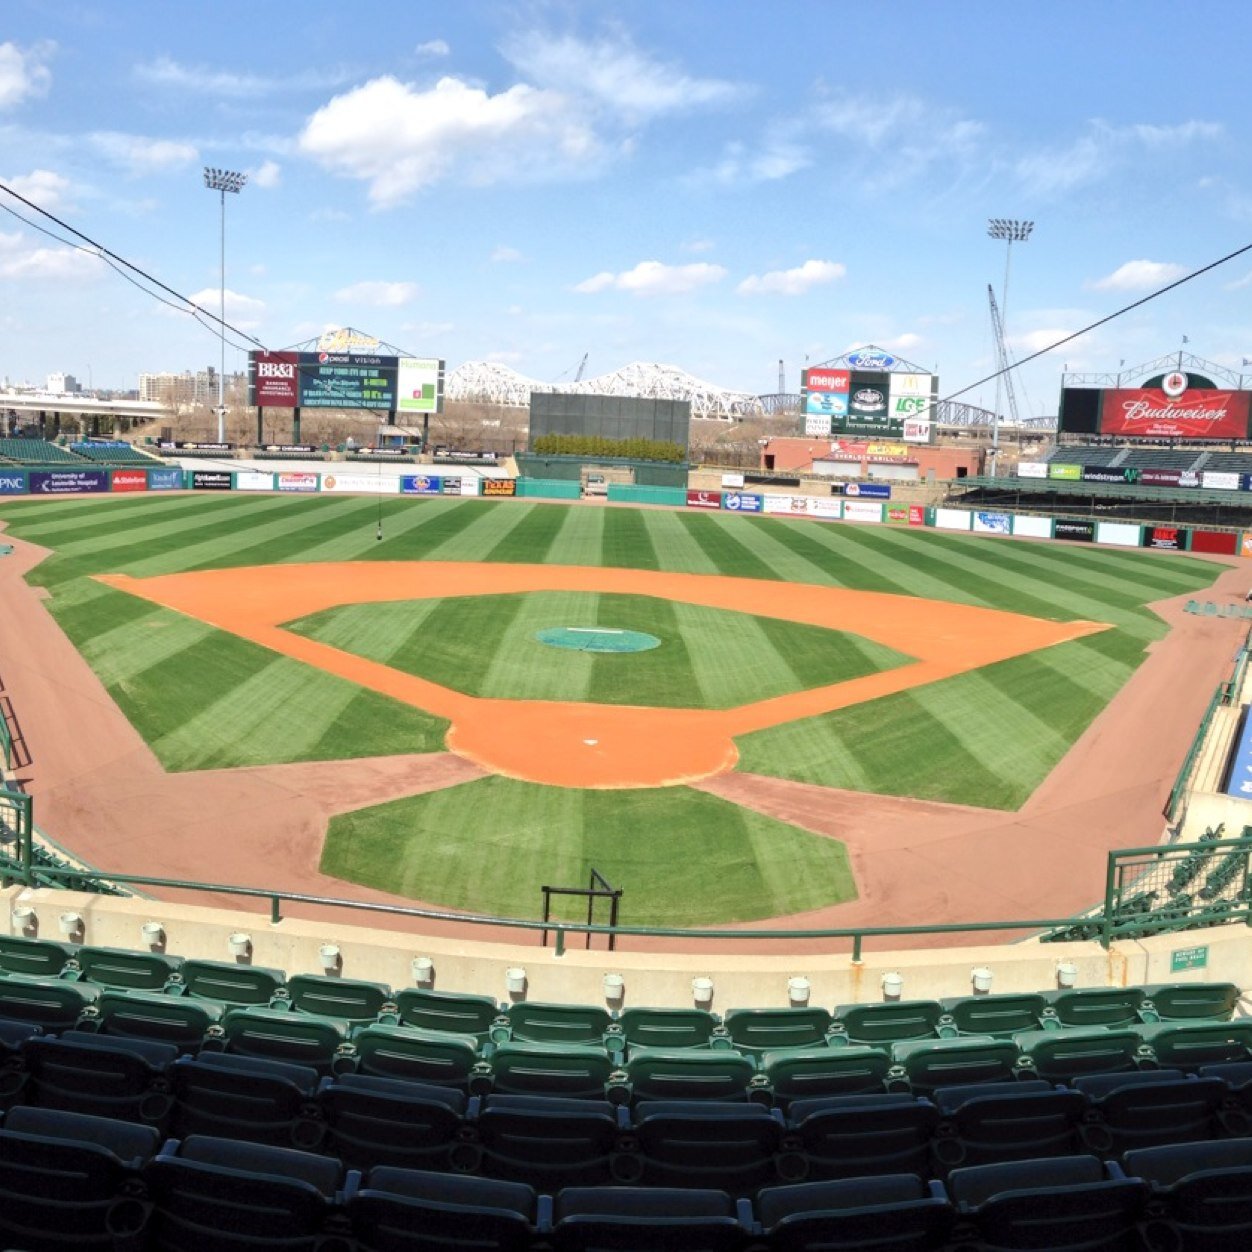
(1198, 414)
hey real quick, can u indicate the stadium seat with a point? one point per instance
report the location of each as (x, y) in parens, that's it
(757, 1031)
(300, 1038)
(33, 958)
(531, 1022)
(579, 1071)
(1202, 1193)
(409, 1210)
(48, 1003)
(1063, 1055)
(386, 1121)
(667, 1028)
(1188, 1045)
(1097, 1006)
(1181, 1002)
(1064, 1204)
(246, 1097)
(896, 1211)
(851, 1136)
(678, 1143)
(1148, 1108)
(984, 1124)
(409, 1053)
(685, 1074)
(550, 1142)
(213, 1194)
(447, 1011)
(144, 1015)
(1001, 1016)
(648, 1219)
(103, 1077)
(893, 1022)
(223, 982)
(70, 1181)
(340, 999)
(121, 969)
(805, 1072)
(926, 1064)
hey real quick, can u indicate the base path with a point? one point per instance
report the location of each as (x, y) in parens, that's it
(599, 745)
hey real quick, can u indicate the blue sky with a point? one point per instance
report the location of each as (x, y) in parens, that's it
(711, 184)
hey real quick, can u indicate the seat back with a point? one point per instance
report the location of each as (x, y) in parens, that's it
(385, 1121)
(45, 1002)
(341, 999)
(891, 1022)
(667, 1028)
(862, 1136)
(1062, 1055)
(756, 1031)
(1006, 1122)
(123, 969)
(1177, 1002)
(1097, 1006)
(409, 1053)
(448, 1012)
(550, 1142)
(825, 1072)
(719, 1074)
(928, 1064)
(531, 1022)
(1191, 1044)
(550, 1068)
(296, 1037)
(89, 1074)
(1000, 1016)
(227, 983)
(148, 1015)
(656, 1218)
(33, 958)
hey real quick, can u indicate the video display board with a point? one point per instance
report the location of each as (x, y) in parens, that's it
(345, 380)
(868, 396)
(1174, 406)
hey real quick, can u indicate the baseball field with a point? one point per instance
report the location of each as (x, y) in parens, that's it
(237, 631)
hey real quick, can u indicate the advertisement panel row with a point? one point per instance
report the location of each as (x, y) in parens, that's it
(345, 380)
(1128, 475)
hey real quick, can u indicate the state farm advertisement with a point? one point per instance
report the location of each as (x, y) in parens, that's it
(274, 383)
(1195, 414)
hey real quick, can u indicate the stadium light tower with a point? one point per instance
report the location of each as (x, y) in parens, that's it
(1012, 230)
(223, 181)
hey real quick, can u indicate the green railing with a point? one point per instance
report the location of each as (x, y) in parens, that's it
(6, 738)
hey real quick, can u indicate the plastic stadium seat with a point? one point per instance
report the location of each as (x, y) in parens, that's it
(408, 1053)
(214, 1194)
(409, 1210)
(1203, 1192)
(551, 1142)
(930, 1063)
(447, 1011)
(685, 1074)
(1236, 1115)
(896, 1211)
(12, 1036)
(1062, 1055)
(893, 1022)
(655, 1219)
(851, 1136)
(1063, 1204)
(384, 1121)
(224, 982)
(666, 1028)
(806, 1072)
(246, 1097)
(89, 1073)
(45, 1002)
(67, 1180)
(341, 999)
(1097, 1006)
(1005, 1122)
(545, 1069)
(33, 958)
(1182, 1002)
(756, 1031)
(529, 1022)
(121, 969)
(145, 1015)
(299, 1038)
(1149, 1108)
(1188, 1045)
(680, 1143)
(1000, 1016)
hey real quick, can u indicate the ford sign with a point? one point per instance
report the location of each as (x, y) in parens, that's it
(871, 359)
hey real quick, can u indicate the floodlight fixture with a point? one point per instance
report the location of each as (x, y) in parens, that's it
(1012, 229)
(223, 181)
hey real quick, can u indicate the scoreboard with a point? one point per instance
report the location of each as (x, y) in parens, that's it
(343, 380)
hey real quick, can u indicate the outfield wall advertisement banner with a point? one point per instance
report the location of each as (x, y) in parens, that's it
(129, 480)
(166, 479)
(775, 504)
(702, 499)
(1216, 480)
(253, 480)
(67, 482)
(952, 519)
(211, 480)
(499, 486)
(862, 511)
(896, 514)
(917, 515)
(1032, 469)
(1110, 474)
(1032, 527)
(1119, 534)
(420, 485)
(1077, 530)
(993, 523)
(739, 502)
(375, 484)
(12, 482)
(870, 491)
(296, 482)
(1070, 472)
(1163, 538)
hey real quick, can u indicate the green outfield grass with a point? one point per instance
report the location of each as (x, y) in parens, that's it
(681, 857)
(708, 658)
(204, 698)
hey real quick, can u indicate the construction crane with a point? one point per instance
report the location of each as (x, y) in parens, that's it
(582, 365)
(1003, 375)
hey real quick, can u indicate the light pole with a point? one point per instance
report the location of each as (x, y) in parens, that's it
(223, 181)
(1012, 230)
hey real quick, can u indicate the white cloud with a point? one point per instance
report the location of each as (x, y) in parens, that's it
(399, 138)
(23, 73)
(427, 328)
(778, 158)
(21, 259)
(242, 311)
(615, 74)
(1026, 342)
(44, 187)
(267, 174)
(201, 80)
(505, 254)
(1139, 276)
(903, 343)
(653, 278)
(142, 154)
(432, 48)
(795, 281)
(699, 245)
(1240, 283)
(381, 295)
(913, 128)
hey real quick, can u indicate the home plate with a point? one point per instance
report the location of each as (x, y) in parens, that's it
(591, 743)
